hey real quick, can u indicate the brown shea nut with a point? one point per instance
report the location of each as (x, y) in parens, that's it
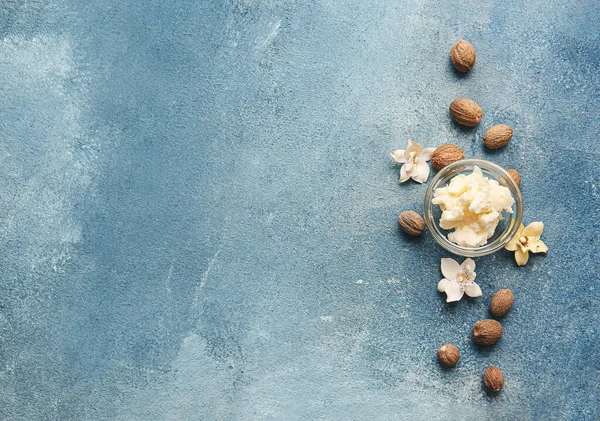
(493, 379)
(515, 176)
(466, 112)
(448, 355)
(497, 136)
(446, 155)
(487, 332)
(462, 56)
(411, 223)
(501, 303)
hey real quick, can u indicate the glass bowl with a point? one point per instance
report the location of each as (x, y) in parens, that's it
(507, 227)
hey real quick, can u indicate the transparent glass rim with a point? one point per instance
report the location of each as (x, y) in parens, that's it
(466, 165)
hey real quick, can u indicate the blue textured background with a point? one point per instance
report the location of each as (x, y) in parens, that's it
(198, 209)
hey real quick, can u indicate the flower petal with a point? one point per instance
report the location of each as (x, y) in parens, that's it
(512, 245)
(521, 257)
(450, 268)
(538, 247)
(468, 262)
(426, 154)
(403, 175)
(442, 285)
(399, 156)
(421, 172)
(413, 147)
(533, 230)
(453, 292)
(473, 290)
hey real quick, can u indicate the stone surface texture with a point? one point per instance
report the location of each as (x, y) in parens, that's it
(198, 211)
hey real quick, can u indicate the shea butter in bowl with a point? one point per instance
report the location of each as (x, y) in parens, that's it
(473, 207)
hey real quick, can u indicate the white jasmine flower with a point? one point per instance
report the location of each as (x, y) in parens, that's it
(458, 280)
(415, 160)
(527, 240)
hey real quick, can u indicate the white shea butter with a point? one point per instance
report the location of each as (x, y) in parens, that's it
(472, 206)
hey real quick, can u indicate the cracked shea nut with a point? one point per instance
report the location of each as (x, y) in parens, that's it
(501, 303)
(493, 379)
(446, 155)
(411, 223)
(448, 355)
(497, 136)
(515, 176)
(487, 332)
(462, 56)
(466, 112)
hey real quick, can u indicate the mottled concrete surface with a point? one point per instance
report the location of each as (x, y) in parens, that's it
(198, 210)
